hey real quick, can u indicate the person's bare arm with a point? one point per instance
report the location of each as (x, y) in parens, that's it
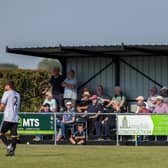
(41, 109)
(95, 116)
(80, 108)
(68, 85)
(71, 121)
(54, 109)
(111, 103)
(122, 103)
(2, 106)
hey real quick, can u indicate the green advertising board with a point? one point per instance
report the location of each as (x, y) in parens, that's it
(142, 124)
(33, 123)
(160, 123)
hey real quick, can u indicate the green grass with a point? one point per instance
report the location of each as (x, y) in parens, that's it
(48, 156)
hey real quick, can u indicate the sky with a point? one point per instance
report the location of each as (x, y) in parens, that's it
(39, 23)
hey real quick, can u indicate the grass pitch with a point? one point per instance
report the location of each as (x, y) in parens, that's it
(48, 156)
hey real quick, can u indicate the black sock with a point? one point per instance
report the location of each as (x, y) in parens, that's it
(4, 140)
(14, 141)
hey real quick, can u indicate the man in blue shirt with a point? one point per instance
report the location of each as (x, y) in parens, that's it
(68, 119)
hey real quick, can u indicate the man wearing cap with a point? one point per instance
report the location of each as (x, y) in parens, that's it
(94, 109)
(68, 119)
(143, 109)
(82, 105)
(160, 107)
(141, 100)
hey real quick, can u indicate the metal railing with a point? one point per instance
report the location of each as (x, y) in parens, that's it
(110, 128)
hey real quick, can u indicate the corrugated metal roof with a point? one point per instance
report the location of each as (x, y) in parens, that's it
(80, 51)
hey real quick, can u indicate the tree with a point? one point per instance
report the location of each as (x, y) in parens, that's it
(8, 66)
(47, 64)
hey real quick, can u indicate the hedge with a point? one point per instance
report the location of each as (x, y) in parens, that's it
(29, 83)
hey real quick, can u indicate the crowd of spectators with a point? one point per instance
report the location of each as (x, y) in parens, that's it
(93, 106)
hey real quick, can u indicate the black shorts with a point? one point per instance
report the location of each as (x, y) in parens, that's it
(9, 126)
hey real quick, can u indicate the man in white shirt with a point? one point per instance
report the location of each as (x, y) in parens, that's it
(70, 85)
(10, 103)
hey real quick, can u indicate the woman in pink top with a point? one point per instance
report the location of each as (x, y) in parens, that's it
(160, 106)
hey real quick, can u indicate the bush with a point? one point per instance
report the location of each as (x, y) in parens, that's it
(29, 83)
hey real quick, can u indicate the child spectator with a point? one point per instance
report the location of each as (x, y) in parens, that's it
(79, 136)
(46, 108)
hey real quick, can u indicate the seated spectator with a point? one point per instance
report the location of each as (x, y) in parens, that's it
(108, 122)
(56, 81)
(102, 96)
(83, 104)
(142, 108)
(140, 102)
(152, 98)
(49, 100)
(160, 107)
(95, 109)
(164, 93)
(79, 136)
(46, 108)
(118, 101)
(68, 118)
(85, 89)
(70, 88)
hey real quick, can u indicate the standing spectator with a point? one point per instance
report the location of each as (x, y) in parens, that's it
(49, 100)
(118, 101)
(140, 102)
(95, 109)
(70, 85)
(67, 120)
(56, 81)
(160, 107)
(152, 98)
(164, 93)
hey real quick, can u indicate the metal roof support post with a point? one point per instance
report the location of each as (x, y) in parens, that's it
(117, 71)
